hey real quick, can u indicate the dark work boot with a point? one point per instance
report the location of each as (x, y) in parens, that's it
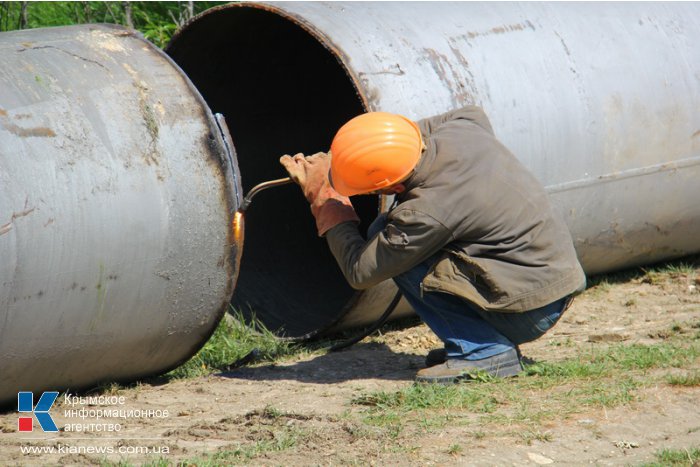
(453, 370)
(438, 356)
(435, 357)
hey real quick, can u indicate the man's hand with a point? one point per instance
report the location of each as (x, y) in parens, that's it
(310, 173)
(328, 206)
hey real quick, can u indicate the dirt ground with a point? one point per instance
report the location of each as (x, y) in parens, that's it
(300, 412)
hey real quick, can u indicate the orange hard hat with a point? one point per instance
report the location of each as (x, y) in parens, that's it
(373, 151)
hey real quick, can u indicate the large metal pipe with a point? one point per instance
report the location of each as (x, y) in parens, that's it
(599, 100)
(117, 195)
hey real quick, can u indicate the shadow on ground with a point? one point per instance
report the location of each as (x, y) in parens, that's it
(362, 361)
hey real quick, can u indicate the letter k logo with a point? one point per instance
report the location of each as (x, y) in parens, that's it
(25, 403)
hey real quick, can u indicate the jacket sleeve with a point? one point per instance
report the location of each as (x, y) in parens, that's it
(408, 238)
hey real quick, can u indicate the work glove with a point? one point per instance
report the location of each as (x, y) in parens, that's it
(329, 207)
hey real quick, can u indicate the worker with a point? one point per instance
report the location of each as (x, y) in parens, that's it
(471, 240)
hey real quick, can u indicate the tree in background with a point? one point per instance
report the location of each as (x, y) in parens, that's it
(158, 21)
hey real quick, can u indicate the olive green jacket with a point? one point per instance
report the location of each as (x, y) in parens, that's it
(500, 244)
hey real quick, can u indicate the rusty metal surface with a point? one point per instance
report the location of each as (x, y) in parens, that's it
(116, 202)
(599, 100)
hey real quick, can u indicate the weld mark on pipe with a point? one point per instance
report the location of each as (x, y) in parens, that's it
(625, 174)
(563, 44)
(65, 52)
(392, 70)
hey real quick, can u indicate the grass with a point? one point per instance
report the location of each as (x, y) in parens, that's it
(232, 340)
(654, 274)
(239, 453)
(675, 458)
(607, 378)
(455, 449)
(269, 439)
(536, 435)
(689, 379)
(156, 20)
(477, 398)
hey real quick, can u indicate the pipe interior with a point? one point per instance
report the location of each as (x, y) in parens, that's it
(281, 92)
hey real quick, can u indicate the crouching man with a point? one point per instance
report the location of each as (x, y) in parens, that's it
(471, 241)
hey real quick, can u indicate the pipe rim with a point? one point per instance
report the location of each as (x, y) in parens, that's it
(382, 201)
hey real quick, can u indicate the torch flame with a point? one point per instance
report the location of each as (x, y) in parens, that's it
(237, 225)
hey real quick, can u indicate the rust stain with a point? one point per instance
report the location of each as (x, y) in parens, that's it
(39, 132)
(42, 132)
(436, 62)
(151, 156)
(696, 134)
(469, 96)
(502, 29)
(452, 79)
(15, 215)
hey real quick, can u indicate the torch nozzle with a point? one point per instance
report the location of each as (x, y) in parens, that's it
(260, 187)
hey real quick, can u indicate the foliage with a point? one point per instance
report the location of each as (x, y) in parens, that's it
(233, 339)
(676, 457)
(607, 377)
(688, 379)
(158, 21)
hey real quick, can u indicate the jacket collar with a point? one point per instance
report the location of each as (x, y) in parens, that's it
(422, 169)
(427, 127)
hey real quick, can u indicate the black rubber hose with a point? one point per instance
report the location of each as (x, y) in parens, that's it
(377, 324)
(255, 354)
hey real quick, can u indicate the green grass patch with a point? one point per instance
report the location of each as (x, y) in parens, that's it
(528, 436)
(156, 20)
(607, 377)
(605, 393)
(644, 357)
(598, 363)
(233, 339)
(242, 454)
(477, 397)
(455, 449)
(675, 457)
(689, 379)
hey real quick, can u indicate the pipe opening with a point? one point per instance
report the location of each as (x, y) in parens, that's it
(281, 92)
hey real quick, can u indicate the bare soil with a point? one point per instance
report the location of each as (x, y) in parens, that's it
(299, 412)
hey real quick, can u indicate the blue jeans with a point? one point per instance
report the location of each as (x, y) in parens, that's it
(467, 331)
